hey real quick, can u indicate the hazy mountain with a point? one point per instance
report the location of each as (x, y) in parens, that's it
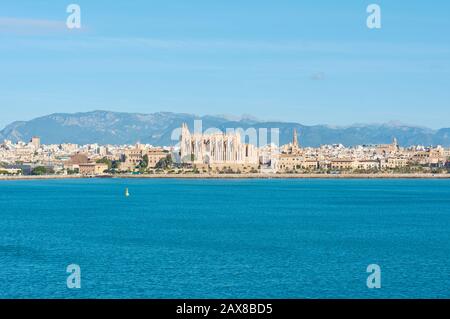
(127, 128)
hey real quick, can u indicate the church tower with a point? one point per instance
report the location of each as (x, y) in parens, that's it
(395, 145)
(295, 140)
(294, 147)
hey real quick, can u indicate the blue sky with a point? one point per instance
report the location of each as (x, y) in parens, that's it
(313, 62)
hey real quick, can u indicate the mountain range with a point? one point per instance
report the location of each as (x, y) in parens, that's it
(106, 127)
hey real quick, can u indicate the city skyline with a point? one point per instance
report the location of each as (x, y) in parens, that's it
(214, 153)
(302, 63)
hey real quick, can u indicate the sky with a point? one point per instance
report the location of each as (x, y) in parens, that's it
(312, 62)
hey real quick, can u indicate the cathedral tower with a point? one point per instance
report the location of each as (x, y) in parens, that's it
(295, 140)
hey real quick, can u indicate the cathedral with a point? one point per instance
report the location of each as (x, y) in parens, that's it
(216, 150)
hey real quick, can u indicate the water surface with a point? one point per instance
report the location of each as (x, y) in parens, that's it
(225, 238)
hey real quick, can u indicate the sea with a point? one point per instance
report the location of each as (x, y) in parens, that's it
(186, 238)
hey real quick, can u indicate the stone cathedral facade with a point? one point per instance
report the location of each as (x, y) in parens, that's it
(217, 150)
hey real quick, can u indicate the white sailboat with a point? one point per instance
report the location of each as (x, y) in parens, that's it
(127, 193)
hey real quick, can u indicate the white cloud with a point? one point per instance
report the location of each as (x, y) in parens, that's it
(30, 26)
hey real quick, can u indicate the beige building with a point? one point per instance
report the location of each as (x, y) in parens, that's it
(154, 156)
(90, 169)
(133, 157)
(311, 164)
(367, 164)
(393, 162)
(289, 162)
(75, 160)
(342, 164)
(36, 142)
(435, 156)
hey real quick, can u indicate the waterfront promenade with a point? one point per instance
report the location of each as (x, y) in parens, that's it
(239, 176)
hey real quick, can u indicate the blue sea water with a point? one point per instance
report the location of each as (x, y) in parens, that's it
(225, 238)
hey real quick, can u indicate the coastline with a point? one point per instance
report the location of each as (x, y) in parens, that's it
(233, 176)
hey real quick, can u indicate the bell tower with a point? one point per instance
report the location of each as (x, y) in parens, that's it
(295, 139)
